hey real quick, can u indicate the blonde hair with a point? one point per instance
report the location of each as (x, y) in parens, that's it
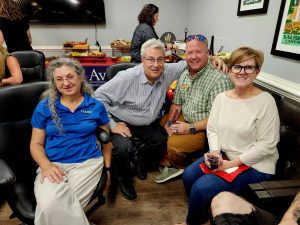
(52, 92)
(3, 55)
(244, 53)
(10, 10)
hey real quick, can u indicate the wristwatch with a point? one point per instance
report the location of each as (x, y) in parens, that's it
(192, 128)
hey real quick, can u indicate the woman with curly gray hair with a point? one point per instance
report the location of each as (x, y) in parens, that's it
(14, 28)
(64, 145)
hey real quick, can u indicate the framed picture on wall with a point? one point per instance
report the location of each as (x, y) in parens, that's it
(250, 7)
(286, 40)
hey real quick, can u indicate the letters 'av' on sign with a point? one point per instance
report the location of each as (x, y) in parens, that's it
(96, 76)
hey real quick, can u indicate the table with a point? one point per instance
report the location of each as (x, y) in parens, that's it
(123, 50)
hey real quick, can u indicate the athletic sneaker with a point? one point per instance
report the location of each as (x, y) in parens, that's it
(167, 174)
(161, 168)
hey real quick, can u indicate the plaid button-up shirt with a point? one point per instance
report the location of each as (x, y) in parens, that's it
(197, 94)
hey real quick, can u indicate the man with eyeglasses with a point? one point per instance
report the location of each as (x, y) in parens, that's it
(186, 122)
(133, 99)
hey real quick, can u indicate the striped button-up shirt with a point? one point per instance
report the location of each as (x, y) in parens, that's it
(197, 94)
(130, 97)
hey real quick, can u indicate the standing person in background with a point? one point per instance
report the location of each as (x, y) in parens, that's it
(14, 28)
(147, 18)
(10, 71)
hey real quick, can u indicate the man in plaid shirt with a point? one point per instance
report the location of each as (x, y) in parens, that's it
(186, 122)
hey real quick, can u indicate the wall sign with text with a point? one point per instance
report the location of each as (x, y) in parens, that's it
(286, 40)
(95, 75)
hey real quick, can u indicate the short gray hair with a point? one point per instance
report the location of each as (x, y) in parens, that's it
(152, 43)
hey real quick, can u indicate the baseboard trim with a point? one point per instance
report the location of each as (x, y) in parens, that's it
(279, 85)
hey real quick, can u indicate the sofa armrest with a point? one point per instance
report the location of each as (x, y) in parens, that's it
(102, 136)
(7, 176)
(275, 189)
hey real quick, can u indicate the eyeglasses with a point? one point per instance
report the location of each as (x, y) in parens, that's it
(198, 37)
(70, 79)
(247, 69)
(152, 61)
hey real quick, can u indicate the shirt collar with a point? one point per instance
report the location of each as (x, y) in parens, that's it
(201, 72)
(144, 80)
(86, 102)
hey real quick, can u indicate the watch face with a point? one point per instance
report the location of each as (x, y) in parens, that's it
(193, 130)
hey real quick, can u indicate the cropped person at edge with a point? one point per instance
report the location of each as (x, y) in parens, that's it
(244, 125)
(14, 27)
(186, 122)
(230, 209)
(133, 100)
(65, 147)
(10, 71)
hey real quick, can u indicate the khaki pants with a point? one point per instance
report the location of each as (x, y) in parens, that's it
(181, 147)
(62, 204)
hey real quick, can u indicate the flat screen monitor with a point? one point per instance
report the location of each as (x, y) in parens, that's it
(64, 11)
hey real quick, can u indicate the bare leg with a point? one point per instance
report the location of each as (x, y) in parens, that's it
(226, 202)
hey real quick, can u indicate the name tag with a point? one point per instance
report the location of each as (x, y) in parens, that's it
(184, 86)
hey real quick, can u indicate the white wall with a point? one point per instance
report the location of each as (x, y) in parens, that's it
(209, 17)
(121, 20)
(219, 18)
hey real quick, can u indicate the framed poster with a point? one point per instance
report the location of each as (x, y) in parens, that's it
(250, 7)
(286, 40)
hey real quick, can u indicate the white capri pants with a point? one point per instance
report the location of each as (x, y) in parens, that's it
(63, 203)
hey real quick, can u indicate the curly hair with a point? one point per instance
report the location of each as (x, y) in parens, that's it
(244, 53)
(147, 14)
(3, 55)
(52, 92)
(10, 10)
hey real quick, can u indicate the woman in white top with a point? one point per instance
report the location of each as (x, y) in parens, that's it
(244, 125)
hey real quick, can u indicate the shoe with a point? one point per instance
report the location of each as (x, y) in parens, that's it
(140, 171)
(127, 189)
(161, 168)
(167, 174)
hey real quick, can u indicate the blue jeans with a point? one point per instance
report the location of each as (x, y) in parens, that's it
(201, 188)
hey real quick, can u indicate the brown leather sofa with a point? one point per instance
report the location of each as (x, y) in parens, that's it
(288, 165)
(276, 195)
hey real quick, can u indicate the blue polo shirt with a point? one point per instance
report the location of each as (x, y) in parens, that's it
(77, 142)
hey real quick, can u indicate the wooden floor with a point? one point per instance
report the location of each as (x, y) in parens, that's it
(163, 204)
